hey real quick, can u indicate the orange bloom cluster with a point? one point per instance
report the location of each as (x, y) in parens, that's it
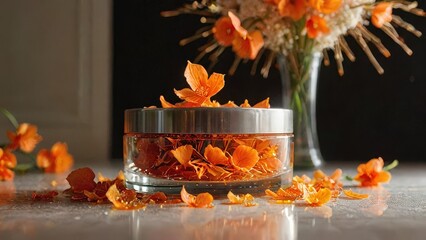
(56, 160)
(229, 32)
(25, 139)
(202, 88)
(314, 9)
(7, 162)
(372, 173)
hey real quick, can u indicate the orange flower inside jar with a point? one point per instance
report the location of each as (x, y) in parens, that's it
(204, 145)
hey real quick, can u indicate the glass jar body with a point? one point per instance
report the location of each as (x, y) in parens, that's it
(215, 163)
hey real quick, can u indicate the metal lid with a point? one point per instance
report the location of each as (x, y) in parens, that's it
(208, 120)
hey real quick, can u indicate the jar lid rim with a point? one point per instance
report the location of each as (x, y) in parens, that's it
(208, 120)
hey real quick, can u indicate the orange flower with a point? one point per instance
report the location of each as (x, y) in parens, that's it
(371, 173)
(202, 200)
(7, 159)
(6, 174)
(316, 25)
(202, 87)
(215, 155)
(249, 46)
(25, 137)
(244, 157)
(326, 6)
(295, 9)
(57, 160)
(381, 14)
(245, 45)
(223, 31)
(183, 154)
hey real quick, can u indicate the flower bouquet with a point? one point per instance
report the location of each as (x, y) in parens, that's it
(296, 35)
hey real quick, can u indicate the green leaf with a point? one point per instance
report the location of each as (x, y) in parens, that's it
(24, 167)
(10, 117)
(349, 178)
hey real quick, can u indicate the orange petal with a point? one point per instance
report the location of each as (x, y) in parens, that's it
(165, 104)
(337, 174)
(183, 154)
(316, 26)
(294, 9)
(6, 174)
(114, 196)
(82, 179)
(326, 6)
(354, 195)
(215, 83)
(381, 14)
(201, 200)
(204, 200)
(237, 25)
(245, 157)
(223, 31)
(196, 76)
(316, 198)
(319, 174)
(215, 155)
(186, 197)
(234, 198)
(229, 104)
(7, 159)
(246, 199)
(245, 104)
(271, 163)
(263, 104)
(190, 96)
(383, 177)
(248, 48)
(43, 159)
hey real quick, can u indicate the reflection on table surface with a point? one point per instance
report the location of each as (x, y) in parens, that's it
(393, 211)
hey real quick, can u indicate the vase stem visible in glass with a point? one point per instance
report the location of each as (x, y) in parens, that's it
(299, 84)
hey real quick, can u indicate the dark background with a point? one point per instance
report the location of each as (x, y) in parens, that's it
(360, 115)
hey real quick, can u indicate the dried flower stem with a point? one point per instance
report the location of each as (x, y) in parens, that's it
(391, 32)
(357, 34)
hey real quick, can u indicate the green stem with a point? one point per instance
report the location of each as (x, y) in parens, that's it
(10, 117)
(391, 165)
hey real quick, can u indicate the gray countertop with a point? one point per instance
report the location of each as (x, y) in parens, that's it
(393, 211)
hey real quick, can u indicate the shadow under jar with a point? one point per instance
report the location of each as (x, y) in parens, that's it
(245, 150)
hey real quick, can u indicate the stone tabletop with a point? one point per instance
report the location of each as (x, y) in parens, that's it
(393, 211)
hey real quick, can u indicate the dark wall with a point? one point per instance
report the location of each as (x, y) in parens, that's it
(360, 115)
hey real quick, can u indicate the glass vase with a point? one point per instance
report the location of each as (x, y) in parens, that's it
(299, 77)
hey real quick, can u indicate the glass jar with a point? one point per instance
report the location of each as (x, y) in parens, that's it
(245, 150)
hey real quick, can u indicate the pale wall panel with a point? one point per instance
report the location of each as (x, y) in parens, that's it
(55, 71)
